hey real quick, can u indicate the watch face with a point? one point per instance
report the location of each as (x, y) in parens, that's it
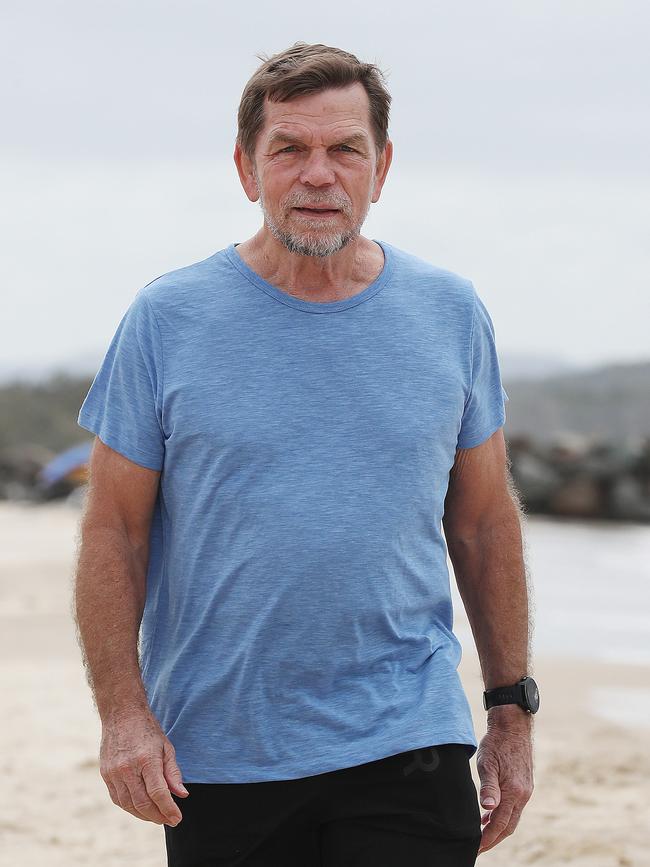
(532, 694)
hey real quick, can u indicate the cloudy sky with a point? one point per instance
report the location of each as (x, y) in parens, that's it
(521, 133)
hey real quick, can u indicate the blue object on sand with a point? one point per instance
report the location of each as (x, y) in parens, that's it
(65, 462)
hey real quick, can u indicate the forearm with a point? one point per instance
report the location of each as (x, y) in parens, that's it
(108, 604)
(491, 575)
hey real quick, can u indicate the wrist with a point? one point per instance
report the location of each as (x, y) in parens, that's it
(521, 696)
(509, 715)
(123, 706)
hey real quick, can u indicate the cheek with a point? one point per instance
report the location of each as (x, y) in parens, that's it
(357, 179)
(361, 191)
(276, 191)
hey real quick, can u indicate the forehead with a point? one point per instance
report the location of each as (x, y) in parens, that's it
(341, 109)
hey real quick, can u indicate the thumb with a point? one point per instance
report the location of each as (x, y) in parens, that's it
(171, 771)
(490, 794)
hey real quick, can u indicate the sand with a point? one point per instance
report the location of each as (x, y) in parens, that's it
(592, 775)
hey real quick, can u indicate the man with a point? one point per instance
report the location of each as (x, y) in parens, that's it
(283, 430)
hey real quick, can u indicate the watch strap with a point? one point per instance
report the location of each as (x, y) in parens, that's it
(503, 695)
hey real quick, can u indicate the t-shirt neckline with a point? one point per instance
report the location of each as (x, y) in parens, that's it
(313, 306)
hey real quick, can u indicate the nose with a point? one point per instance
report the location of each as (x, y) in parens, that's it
(317, 171)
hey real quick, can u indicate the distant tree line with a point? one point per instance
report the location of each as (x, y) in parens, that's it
(44, 413)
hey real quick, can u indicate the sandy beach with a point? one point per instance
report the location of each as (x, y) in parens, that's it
(591, 805)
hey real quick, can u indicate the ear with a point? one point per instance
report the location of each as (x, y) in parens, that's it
(246, 175)
(383, 164)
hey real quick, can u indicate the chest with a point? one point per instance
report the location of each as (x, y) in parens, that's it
(324, 386)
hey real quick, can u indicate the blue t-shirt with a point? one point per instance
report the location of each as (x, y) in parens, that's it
(298, 615)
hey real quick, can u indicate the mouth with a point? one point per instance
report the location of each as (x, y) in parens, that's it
(317, 212)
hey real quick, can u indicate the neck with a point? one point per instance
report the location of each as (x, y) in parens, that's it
(316, 278)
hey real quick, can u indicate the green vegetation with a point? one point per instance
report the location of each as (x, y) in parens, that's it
(43, 413)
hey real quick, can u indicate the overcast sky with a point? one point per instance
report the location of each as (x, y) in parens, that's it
(521, 133)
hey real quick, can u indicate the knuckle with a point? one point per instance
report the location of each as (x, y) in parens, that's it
(146, 815)
(524, 793)
(144, 759)
(165, 805)
(141, 800)
(515, 787)
(140, 809)
(162, 799)
(149, 763)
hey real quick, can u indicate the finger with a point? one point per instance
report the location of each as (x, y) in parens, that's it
(124, 799)
(141, 800)
(491, 835)
(490, 791)
(158, 792)
(499, 819)
(172, 772)
(490, 795)
(512, 824)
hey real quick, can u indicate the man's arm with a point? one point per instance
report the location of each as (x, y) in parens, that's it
(482, 523)
(137, 760)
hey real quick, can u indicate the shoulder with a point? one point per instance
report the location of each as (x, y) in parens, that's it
(415, 266)
(457, 290)
(185, 284)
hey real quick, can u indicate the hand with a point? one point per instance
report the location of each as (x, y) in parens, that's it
(505, 764)
(138, 765)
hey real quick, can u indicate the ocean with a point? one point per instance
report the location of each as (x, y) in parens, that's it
(590, 594)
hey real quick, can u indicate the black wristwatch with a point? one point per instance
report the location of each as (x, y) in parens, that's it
(525, 693)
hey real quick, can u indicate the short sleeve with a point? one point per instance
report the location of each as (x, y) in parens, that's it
(484, 411)
(124, 404)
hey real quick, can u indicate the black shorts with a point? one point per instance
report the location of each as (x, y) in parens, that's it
(415, 808)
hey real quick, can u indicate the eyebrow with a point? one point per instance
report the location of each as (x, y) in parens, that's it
(355, 140)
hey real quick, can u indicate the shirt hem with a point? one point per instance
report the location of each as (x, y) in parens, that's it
(413, 742)
(113, 442)
(471, 442)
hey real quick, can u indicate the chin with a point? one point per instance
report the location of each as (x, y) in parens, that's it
(309, 237)
(315, 243)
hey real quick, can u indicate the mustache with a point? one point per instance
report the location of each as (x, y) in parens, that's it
(334, 201)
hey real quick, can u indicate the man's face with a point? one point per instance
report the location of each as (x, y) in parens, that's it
(316, 169)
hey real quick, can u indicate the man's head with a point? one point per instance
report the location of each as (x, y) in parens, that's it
(313, 136)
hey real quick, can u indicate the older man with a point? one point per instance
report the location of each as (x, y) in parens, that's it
(283, 431)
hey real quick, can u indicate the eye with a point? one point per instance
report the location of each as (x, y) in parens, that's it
(347, 149)
(288, 149)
